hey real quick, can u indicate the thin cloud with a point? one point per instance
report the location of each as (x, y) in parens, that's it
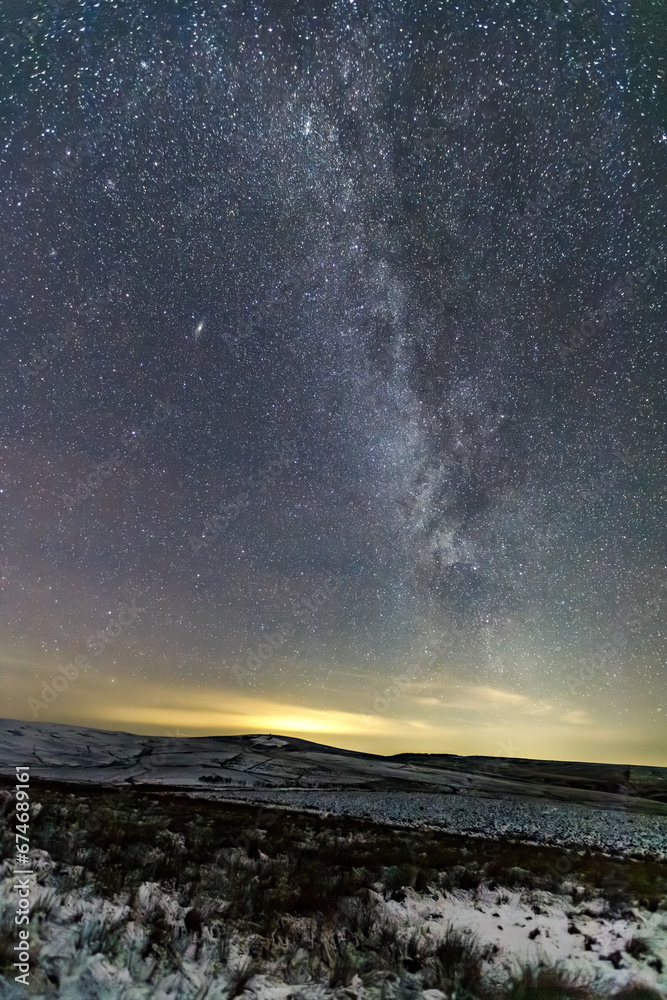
(577, 717)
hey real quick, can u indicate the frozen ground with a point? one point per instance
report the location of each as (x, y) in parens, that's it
(523, 928)
(357, 905)
(99, 949)
(606, 807)
(614, 831)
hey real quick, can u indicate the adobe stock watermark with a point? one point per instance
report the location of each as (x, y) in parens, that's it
(88, 311)
(96, 642)
(265, 817)
(594, 319)
(133, 440)
(497, 767)
(50, 348)
(240, 336)
(508, 753)
(213, 526)
(439, 137)
(577, 159)
(275, 640)
(607, 652)
(261, 315)
(246, 327)
(53, 166)
(23, 875)
(117, 288)
(197, 203)
(400, 684)
(6, 571)
(29, 30)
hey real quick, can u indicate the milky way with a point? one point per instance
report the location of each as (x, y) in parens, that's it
(419, 251)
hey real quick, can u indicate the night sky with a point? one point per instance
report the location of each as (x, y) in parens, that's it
(332, 373)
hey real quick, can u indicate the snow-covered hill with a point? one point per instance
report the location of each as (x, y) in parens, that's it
(535, 801)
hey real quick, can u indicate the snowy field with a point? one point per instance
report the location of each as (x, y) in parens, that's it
(276, 869)
(457, 796)
(99, 949)
(613, 831)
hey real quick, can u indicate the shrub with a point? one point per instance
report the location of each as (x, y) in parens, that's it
(240, 974)
(548, 984)
(98, 934)
(7, 941)
(457, 963)
(637, 947)
(637, 992)
(519, 878)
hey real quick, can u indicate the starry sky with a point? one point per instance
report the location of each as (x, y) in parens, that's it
(332, 372)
